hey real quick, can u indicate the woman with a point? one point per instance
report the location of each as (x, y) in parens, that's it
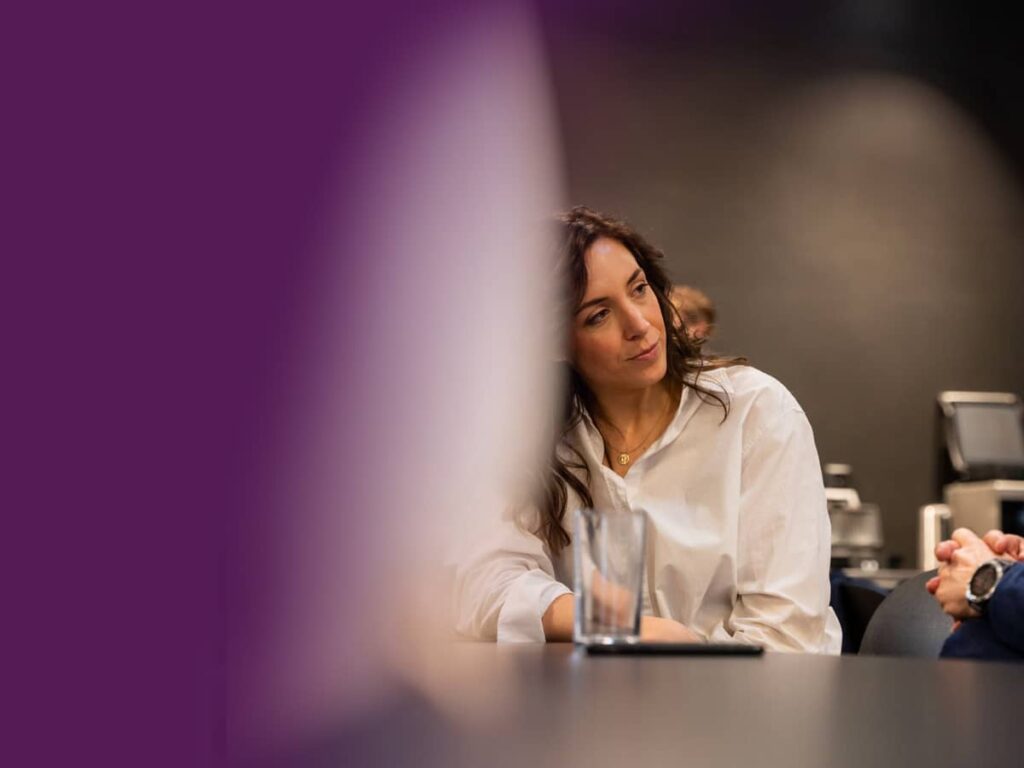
(719, 455)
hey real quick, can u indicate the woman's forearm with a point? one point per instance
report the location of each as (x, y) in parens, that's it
(558, 620)
(558, 625)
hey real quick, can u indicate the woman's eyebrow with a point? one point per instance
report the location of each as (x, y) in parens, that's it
(600, 299)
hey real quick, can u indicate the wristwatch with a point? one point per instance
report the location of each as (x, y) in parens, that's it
(984, 582)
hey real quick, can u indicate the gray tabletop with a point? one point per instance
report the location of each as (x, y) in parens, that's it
(553, 705)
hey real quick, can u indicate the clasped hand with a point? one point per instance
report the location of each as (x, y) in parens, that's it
(959, 558)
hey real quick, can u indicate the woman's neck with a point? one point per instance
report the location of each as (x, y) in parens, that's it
(629, 414)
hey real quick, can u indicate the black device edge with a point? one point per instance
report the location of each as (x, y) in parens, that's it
(675, 649)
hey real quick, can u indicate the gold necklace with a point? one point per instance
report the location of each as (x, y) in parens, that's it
(624, 456)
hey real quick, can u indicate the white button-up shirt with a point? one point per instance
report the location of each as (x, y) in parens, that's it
(740, 536)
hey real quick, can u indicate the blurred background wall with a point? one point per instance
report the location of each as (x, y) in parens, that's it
(842, 178)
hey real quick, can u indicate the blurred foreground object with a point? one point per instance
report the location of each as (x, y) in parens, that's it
(422, 359)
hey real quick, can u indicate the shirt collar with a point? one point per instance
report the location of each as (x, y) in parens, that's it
(715, 381)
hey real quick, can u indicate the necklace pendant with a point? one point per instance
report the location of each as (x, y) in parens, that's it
(623, 459)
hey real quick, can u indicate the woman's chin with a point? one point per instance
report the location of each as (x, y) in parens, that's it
(657, 371)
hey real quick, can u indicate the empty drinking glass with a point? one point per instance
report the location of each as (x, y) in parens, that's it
(609, 566)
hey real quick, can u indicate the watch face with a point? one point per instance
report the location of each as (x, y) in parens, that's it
(983, 580)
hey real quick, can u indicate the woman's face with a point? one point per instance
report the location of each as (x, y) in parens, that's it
(618, 336)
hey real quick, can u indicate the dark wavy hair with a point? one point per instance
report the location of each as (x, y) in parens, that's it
(582, 226)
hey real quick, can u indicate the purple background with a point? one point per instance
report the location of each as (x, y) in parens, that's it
(164, 171)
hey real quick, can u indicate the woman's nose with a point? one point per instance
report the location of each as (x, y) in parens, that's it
(636, 324)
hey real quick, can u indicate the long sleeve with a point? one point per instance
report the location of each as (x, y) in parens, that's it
(504, 585)
(1005, 612)
(784, 543)
(999, 634)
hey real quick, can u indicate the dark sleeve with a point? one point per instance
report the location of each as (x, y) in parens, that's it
(1005, 611)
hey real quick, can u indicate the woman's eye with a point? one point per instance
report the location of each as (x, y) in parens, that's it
(640, 289)
(597, 317)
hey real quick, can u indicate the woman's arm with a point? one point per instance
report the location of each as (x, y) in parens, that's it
(558, 625)
(505, 583)
(558, 619)
(506, 590)
(784, 545)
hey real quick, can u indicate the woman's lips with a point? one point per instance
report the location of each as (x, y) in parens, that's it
(648, 354)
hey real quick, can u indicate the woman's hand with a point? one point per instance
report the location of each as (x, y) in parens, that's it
(654, 629)
(613, 604)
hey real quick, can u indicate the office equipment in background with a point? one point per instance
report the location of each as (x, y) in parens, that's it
(984, 435)
(982, 461)
(935, 524)
(983, 506)
(856, 526)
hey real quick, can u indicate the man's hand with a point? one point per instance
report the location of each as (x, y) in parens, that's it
(654, 629)
(959, 559)
(1002, 544)
(1005, 544)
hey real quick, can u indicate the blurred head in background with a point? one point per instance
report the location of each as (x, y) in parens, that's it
(696, 311)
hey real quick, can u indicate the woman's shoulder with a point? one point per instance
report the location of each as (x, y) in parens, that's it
(746, 382)
(759, 406)
(750, 390)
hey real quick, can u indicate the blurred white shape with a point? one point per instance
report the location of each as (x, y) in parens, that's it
(431, 357)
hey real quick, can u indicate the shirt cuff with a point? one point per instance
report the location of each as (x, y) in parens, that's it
(525, 603)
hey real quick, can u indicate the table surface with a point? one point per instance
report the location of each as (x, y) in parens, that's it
(554, 705)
